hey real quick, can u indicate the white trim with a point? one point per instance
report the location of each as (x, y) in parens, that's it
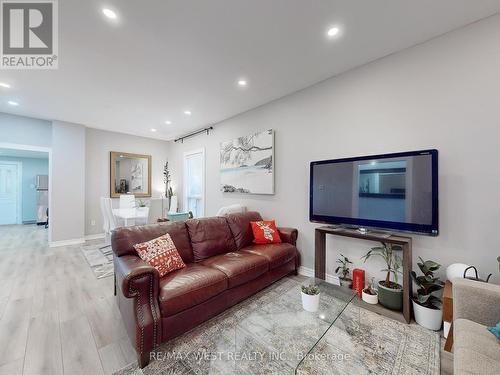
(48, 150)
(309, 272)
(75, 241)
(97, 236)
(204, 177)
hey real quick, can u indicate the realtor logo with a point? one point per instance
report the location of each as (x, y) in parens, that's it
(29, 34)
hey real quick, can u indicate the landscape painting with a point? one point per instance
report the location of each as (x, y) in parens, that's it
(247, 164)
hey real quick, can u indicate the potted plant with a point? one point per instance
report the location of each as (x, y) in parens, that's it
(310, 297)
(426, 306)
(390, 293)
(369, 294)
(345, 280)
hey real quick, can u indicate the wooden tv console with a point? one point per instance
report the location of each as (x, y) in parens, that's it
(404, 242)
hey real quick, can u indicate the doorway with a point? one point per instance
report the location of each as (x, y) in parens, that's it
(194, 182)
(10, 192)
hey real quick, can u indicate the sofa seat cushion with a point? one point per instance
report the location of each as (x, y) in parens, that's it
(239, 267)
(277, 254)
(475, 349)
(189, 286)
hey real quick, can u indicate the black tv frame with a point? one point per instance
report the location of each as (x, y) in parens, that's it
(425, 229)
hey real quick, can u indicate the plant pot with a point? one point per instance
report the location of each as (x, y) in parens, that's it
(392, 298)
(310, 303)
(428, 318)
(347, 283)
(372, 299)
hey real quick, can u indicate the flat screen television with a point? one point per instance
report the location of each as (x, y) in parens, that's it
(397, 192)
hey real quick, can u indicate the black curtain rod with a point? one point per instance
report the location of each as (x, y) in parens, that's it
(207, 130)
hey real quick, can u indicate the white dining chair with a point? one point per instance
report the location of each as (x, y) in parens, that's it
(231, 209)
(109, 221)
(127, 201)
(142, 216)
(173, 205)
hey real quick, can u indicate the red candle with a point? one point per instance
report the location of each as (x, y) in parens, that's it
(358, 280)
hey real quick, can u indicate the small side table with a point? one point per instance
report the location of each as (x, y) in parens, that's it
(448, 313)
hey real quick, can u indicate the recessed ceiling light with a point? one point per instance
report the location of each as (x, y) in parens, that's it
(5, 85)
(168, 122)
(242, 82)
(334, 31)
(153, 130)
(11, 102)
(109, 13)
(187, 113)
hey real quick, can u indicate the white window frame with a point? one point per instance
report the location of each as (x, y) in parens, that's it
(203, 183)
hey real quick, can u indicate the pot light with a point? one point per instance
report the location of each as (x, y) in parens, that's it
(168, 122)
(11, 102)
(332, 32)
(187, 113)
(242, 83)
(4, 85)
(153, 130)
(109, 13)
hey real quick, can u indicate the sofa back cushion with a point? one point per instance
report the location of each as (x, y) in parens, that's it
(241, 227)
(123, 239)
(210, 236)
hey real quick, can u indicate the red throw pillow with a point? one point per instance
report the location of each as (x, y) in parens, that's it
(265, 231)
(161, 253)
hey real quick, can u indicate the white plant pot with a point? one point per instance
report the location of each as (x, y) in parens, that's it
(310, 303)
(428, 318)
(368, 298)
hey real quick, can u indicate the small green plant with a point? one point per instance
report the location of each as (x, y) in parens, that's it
(141, 203)
(344, 266)
(311, 289)
(370, 288)
(393, 262)
(427, 284)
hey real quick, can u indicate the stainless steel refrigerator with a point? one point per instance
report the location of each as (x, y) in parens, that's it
(42, 193)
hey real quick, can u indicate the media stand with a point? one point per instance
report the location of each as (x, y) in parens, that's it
(404, 242)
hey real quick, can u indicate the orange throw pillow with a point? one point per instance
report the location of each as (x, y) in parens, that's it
(161, 253)
(265, 231)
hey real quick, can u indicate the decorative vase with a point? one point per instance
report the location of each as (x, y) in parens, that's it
(428, 318)
(372, 299)
(310, 303)
(392, 298)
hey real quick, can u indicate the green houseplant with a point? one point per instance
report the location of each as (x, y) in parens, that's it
(345, 279)
(426, 306)
(390, 293)
(310, 297)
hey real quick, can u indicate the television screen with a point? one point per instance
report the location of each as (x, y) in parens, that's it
(392, 191)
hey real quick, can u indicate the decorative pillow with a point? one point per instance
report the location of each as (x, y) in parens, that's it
(265, 231)
(161, 253)
(495, 330)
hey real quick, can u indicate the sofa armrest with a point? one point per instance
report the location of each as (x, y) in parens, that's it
(288, 235)
(138, 303)
(476, 301)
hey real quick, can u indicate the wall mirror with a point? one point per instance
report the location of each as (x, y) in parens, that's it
(130, 174)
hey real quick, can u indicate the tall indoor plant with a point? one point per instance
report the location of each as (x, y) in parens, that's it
(427, 307)
(166, 180)
(390, 293)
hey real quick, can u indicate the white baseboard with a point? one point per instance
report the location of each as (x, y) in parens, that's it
(309, 272)
(97, 236)
(75, 241)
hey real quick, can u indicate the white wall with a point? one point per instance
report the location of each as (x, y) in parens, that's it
(98, 146)
(25, 130)
(444, 94)
(67, 210)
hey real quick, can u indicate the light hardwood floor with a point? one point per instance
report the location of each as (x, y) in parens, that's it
(56, 317)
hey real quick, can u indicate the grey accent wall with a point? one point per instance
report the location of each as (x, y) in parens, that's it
(99, 143)
(443, 94)
(67, 211)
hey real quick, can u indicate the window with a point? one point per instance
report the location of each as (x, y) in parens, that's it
(194, 182)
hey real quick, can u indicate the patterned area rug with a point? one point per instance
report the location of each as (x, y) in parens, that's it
(99, 260)
(245, 340)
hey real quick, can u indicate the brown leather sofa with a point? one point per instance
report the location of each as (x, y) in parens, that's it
(223, 267)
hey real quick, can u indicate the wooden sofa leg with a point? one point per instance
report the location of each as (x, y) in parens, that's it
(143, 359)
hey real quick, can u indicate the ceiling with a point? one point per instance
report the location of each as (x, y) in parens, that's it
(162, 57)
(23, 153)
